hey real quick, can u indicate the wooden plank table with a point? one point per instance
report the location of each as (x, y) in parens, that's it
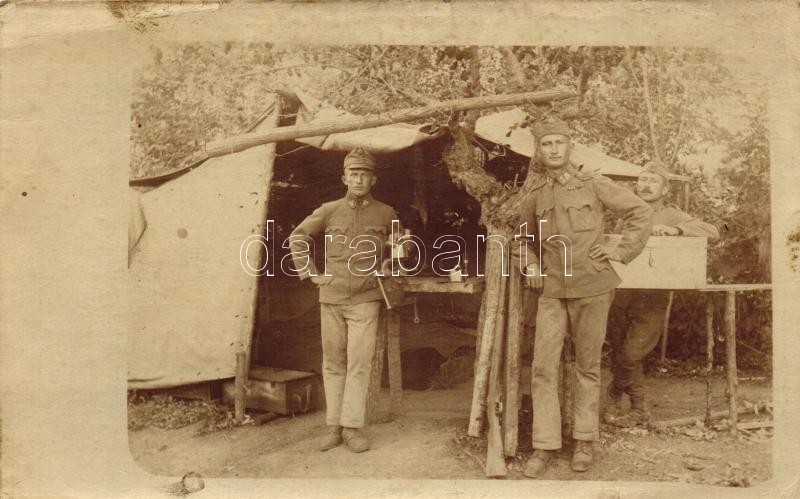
(413, 286)
(731, 371)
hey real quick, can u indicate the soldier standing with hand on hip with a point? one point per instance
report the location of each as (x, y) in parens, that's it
(356, 229)
(643, 311)
(575, 300)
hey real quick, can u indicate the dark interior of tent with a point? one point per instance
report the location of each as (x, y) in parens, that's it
(415, 181)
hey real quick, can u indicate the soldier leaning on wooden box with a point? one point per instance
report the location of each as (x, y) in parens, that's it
(642, 312)
(349, 296)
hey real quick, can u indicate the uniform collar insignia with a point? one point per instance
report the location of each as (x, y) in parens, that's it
(354, 202)
(562, 178)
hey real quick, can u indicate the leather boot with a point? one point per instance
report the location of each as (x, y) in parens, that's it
(355, 439)
(583, 456)
(612, 408)
(537, 463)
(637, 416)
(332, 439)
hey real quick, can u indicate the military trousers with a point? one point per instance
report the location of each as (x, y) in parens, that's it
(641, 317)
(584, 319)
(348, 346)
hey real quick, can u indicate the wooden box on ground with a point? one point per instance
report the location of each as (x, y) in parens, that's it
(667, 262)
(282, 391)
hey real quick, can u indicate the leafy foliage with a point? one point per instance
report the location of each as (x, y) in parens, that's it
(682, 105)
(168, 413)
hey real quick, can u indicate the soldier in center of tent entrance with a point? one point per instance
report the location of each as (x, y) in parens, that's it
(578, 287)
(356, 229)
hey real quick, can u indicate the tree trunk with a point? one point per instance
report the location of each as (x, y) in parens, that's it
(649, 104)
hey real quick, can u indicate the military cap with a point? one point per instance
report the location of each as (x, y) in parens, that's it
(359, 159)
(550, 126)
(658, 168)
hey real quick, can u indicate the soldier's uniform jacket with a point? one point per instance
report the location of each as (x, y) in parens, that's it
(573, 206)
(675, 217)
(346, 222)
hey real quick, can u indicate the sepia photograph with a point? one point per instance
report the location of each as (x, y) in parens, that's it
(385, 249)
(569, 273)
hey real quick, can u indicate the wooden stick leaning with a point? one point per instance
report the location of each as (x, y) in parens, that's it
(484, 355)
(495, 455)
(512, 367)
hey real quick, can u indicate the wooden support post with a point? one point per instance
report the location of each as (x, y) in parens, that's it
(730, 355)
(687, 196)
(512, 399)
(665, 334)
(240, 394)
(395, 371)
(374, 396)
(709, 352)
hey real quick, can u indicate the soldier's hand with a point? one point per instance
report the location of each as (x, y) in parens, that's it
(386, 267)
(321, 280)
(665, 230)
(599, 252)
(533, 279)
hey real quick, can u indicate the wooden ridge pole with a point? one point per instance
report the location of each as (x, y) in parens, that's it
(315, 129)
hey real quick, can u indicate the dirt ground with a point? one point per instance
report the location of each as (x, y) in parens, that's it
(426, 441)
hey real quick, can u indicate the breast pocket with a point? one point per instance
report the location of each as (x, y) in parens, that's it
(581, 216)
(335, 240)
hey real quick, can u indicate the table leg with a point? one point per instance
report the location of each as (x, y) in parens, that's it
(709, 352)
(373, 399)
(730, 355)
(395, 373)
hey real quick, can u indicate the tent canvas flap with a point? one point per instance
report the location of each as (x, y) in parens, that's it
(504, 128)
(383, 139)
(190, 299)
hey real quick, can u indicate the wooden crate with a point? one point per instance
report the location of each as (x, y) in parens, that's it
(667, 262)
(282, 391)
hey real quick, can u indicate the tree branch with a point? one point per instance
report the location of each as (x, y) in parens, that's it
(629, 60)
(515, 68)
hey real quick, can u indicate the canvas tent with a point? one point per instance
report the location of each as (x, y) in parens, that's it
(191, 303)
(504, 128)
